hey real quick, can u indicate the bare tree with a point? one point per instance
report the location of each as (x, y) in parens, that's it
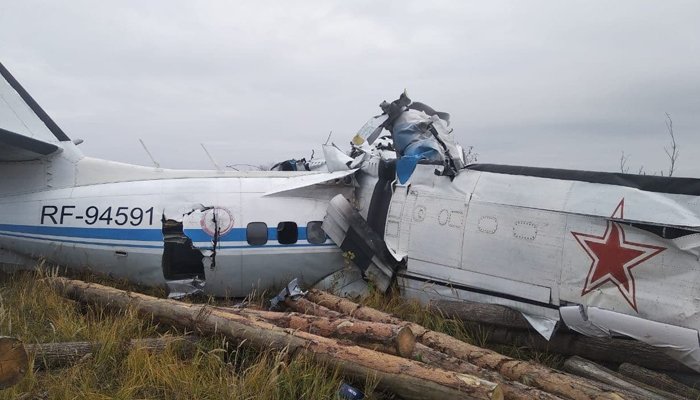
(623, 163)
(672, 153)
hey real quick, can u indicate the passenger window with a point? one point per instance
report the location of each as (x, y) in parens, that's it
(287, 232)
(315, 233)
(256, 233)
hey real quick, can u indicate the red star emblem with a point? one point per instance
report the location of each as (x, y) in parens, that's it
(613, 257)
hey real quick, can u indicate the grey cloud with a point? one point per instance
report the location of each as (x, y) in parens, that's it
(564, 84)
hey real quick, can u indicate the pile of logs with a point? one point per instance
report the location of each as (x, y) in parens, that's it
(502, 325)
(406, 358)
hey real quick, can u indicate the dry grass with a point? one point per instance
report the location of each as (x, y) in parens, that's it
(33, 312)
(219, 369)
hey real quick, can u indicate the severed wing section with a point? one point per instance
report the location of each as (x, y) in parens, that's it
(26, 131)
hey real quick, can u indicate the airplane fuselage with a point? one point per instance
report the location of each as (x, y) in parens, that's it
(224, 230)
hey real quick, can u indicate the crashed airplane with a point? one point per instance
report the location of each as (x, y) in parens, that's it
(603, 253)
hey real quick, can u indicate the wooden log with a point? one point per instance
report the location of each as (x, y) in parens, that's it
(59, 355)
(531, 374)
(14, 362)
(512, 390)
(608, 350)
(519, 333)
(588, 369)
(408, 379)
(490, 314)
(659, 380)
(690, 380)
(401, 338)
(304, 306)
(350, 308)
(63, 354)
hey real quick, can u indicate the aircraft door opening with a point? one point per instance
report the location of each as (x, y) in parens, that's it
(180, 259)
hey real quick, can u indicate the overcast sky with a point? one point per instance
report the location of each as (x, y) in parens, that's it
(567, 84)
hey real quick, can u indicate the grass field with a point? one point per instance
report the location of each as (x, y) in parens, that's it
(219, 368)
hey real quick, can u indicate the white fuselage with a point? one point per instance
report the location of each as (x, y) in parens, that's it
(117, 228)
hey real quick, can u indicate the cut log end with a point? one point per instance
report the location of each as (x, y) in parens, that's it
(14, 362)
(405, 342)
(497, 393)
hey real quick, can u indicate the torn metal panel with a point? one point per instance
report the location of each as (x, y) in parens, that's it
(347, 282)
(371, 130)
(336, 160)
(292, 292)
(348, 229)
(297, 182)
(179, 289)
(679, 343)
(397, 228)
(544, 326)
(576, 319)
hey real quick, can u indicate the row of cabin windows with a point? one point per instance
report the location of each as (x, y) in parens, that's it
(287, 233)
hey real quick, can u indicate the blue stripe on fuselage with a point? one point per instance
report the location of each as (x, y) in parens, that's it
(139, 234)
(153, 238)
(141, 246)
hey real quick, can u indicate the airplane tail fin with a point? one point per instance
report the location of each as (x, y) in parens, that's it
(26, 131)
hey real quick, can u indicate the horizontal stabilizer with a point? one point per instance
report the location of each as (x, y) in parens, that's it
(15, 147)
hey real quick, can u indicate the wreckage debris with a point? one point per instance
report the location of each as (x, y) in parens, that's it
(348, 392)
